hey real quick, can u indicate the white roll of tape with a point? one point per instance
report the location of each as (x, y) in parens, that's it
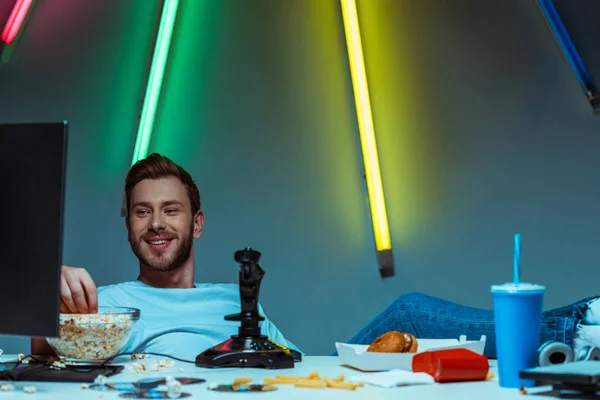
(551, 353)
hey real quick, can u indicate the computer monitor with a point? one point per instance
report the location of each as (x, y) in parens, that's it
(32, 192)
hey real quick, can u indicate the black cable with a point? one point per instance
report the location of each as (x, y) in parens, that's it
(152, 354)
(75, 368)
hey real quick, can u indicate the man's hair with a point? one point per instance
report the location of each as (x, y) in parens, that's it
(157, 166)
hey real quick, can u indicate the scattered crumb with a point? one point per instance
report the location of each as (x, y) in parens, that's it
(489, 376)
(100, 380)
(155, 366)
(7, 387)
(138, 367)
(85, 386)
(167, 363)
(140, 356)
(173, 388)
(523, 390)
(180, 369)
(1, 352)
(30, 389)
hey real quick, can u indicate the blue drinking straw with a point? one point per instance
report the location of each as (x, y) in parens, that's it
(517, 259)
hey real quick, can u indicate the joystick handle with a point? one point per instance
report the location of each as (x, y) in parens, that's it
(250, 277)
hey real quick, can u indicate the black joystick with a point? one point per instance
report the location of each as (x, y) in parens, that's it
(249, 348)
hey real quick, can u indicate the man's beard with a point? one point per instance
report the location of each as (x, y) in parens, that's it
(161, 263)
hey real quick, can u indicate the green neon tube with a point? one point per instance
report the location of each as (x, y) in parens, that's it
(155, 79)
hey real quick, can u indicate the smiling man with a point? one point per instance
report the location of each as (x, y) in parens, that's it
(179, 317)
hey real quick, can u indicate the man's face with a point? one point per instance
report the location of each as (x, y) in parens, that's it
(160, 223)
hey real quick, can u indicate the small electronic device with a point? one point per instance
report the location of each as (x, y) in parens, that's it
(580, 376)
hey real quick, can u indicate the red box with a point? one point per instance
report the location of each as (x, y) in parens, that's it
(452, 365)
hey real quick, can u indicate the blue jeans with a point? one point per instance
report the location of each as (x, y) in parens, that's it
(429, 317)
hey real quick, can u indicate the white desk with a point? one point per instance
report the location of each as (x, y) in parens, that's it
(325, 366)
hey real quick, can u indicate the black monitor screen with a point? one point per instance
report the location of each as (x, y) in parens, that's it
(32, 178)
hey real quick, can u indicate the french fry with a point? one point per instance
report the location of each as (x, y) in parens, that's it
(339, 385)
(242, 380)
(313, 380)
(314, 375)
(282, 379)
(310, 383)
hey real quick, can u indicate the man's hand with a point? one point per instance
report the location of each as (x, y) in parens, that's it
(78, 292)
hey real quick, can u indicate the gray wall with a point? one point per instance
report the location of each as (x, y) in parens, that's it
(482, 129)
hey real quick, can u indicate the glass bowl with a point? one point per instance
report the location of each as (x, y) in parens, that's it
(94, 337)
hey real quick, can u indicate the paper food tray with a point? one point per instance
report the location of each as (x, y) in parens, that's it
(356, 355)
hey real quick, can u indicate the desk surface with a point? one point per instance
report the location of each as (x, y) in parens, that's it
(325, 366)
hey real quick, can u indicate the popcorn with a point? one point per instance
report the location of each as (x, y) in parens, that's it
(140, 356)
(167, 363)
(138, 367)
(100, 380)
(155, 366)
(30, 389)
(85, 386)
(23, 359)
(7, 387)
(91, 336)
(173, 388)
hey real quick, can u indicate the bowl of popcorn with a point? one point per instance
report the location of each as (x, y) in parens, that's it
(94, 337)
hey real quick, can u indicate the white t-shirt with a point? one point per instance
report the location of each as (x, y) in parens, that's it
(181, 322)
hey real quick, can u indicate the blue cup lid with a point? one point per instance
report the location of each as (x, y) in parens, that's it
(523, 287)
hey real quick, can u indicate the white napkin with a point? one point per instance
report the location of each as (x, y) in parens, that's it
(393, 378)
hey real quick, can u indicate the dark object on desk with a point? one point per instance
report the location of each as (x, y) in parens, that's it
(41, 372)
(582, 376)
(150, 383)
(249, 348)
(243, 388)
(32, 170)
(151, 394)
(452, 365)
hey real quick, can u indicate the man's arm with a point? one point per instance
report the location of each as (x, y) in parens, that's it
(41, 347)
(78, 294)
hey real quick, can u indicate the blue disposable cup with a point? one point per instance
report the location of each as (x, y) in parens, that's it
(518, 322)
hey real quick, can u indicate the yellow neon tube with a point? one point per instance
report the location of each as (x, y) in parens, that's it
(379, 218)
